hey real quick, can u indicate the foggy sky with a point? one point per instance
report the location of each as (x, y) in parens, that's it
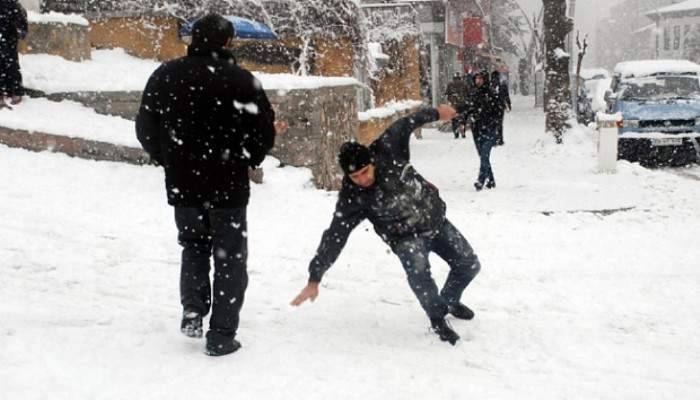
(588, 12)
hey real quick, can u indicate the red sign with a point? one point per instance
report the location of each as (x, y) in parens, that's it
(473, 31)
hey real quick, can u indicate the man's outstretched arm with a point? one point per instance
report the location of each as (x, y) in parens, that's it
(396, 138)
(347, 216)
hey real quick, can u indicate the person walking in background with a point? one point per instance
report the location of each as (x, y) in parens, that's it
(381, 185)
(456, 94)
(206, 121)
(499, 82)
(13, 28)
(483, 109)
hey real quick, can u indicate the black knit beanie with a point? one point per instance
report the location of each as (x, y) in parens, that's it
(353, 157)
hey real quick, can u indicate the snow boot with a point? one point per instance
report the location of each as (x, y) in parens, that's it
(461, 311)
(491, 184)
(220, 345)
(191, 325)
(444, 331)
(478, 186)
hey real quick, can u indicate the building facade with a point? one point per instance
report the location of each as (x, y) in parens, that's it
(627, 33)
(677, 31)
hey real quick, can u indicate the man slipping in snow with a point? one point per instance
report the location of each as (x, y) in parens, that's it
(407, 212)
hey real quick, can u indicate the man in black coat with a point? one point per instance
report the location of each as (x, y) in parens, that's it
(456, 94)
(500, 87)
(206, 121)
(483, 109)
(407, 212)
(13, 27)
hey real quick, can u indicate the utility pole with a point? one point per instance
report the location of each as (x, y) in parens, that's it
(573, 51)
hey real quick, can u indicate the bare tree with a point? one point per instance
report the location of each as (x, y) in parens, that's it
(581, 54)
(557, 90)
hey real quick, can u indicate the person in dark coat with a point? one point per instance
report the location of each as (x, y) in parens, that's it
(206, 121)
(484, 110)
(381, 185)
(500, 87)
(456, 94)
(13, 28)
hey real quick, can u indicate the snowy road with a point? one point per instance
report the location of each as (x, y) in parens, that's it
(575, 300)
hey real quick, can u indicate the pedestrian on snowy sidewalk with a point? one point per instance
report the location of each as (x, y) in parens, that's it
(13, 28)
(206, 121)
(407, 212)
(456, 94)
(500, 87)
(483, 109)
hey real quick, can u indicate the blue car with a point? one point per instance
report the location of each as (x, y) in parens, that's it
(660, 119)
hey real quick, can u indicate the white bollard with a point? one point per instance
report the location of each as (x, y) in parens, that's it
(607, 142)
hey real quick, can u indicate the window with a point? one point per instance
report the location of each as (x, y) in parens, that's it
(676, 37)
(667, 38)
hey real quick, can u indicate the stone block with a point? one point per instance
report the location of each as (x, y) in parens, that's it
(69, 41)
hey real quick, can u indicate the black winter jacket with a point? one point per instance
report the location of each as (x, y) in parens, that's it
(400, 204)
(13, 25)
(483, 108)
(206, 120)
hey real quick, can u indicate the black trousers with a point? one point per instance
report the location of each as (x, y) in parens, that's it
(10, 75)
(221, 234)
(452, 247)
(499, 128)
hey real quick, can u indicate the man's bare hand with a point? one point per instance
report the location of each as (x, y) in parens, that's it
(310, 292)
(281, 127)
(447, 113)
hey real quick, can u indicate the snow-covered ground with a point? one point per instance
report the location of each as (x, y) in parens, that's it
(570, 303)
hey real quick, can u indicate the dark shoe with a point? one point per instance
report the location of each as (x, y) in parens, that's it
(191, 323)
(500, 143)
(461, 311)
(478, 186)
(491, 184)
(443, 329)
(220, 345)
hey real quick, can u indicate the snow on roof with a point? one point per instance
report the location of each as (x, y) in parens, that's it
(590, 73)
(56, 17)
(649, 67)
(645, 28)
(687, 5)
(114, 70)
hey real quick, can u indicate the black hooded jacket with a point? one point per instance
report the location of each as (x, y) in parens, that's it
(205, 120)
(13, 24)
(400, 204)
(483, 108)
(13, 27)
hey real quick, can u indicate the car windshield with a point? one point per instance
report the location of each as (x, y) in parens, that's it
(662, 88)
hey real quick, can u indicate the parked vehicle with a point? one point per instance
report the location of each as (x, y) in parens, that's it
(660, 106)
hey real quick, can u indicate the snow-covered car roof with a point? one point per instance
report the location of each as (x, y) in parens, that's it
(628, 69)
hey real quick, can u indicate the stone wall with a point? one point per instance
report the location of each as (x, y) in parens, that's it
(320, 121)
(120, 104)
(69, 41)
(400, 80)
(370, 130)
(144, 37)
